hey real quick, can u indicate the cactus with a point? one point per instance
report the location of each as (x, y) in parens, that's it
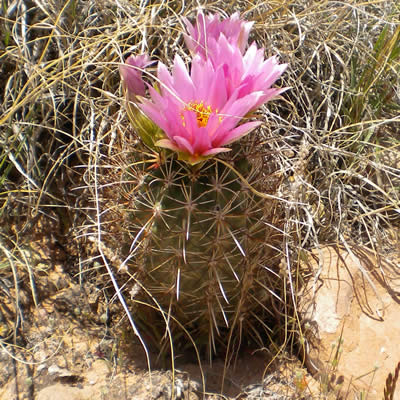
(202, 246)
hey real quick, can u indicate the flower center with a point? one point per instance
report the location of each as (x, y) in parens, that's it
(202, 113)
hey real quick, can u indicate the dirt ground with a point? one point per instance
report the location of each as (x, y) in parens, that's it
(73, 344)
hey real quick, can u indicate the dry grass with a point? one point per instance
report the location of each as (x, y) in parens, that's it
(335, 134)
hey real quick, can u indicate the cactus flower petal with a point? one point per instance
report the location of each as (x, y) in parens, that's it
(167, 144)
(131, 73)
(250, 72)
(209, 28)
(224, 43)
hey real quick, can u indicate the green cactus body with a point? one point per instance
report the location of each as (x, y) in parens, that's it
(204, 249)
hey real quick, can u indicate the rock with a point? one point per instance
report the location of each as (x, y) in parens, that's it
(8, 391)
(351, 314)
(61, 372)
(98, 372)
(60, 392)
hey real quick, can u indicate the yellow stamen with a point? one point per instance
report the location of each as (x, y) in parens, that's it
(202, 113)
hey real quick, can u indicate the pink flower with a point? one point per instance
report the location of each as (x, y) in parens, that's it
(209, 28)
(202, 111)
(224, 42)
(131, 73)
(197, 114)
(250, 72)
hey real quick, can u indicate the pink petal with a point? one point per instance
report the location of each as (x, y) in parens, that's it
(224, 129)
(183, 144)
(214, 121)
(241, 131)
(201, 73)
(190, 37)
(189, 121)
(241, 106)
(244, 35)
(201, 30)
(236, 133)
(274, 75)
(249, 57)
(167, 144)
(164, 77)
(201, 141)
(131, 73)
(157, 97)
(269, 95)
(153, 112)
(217, 91)
(216, 150)
(182, 81)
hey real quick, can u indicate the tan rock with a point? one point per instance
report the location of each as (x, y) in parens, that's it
(61, 392)
(352, 319)
(98, 372)
(9, 390)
